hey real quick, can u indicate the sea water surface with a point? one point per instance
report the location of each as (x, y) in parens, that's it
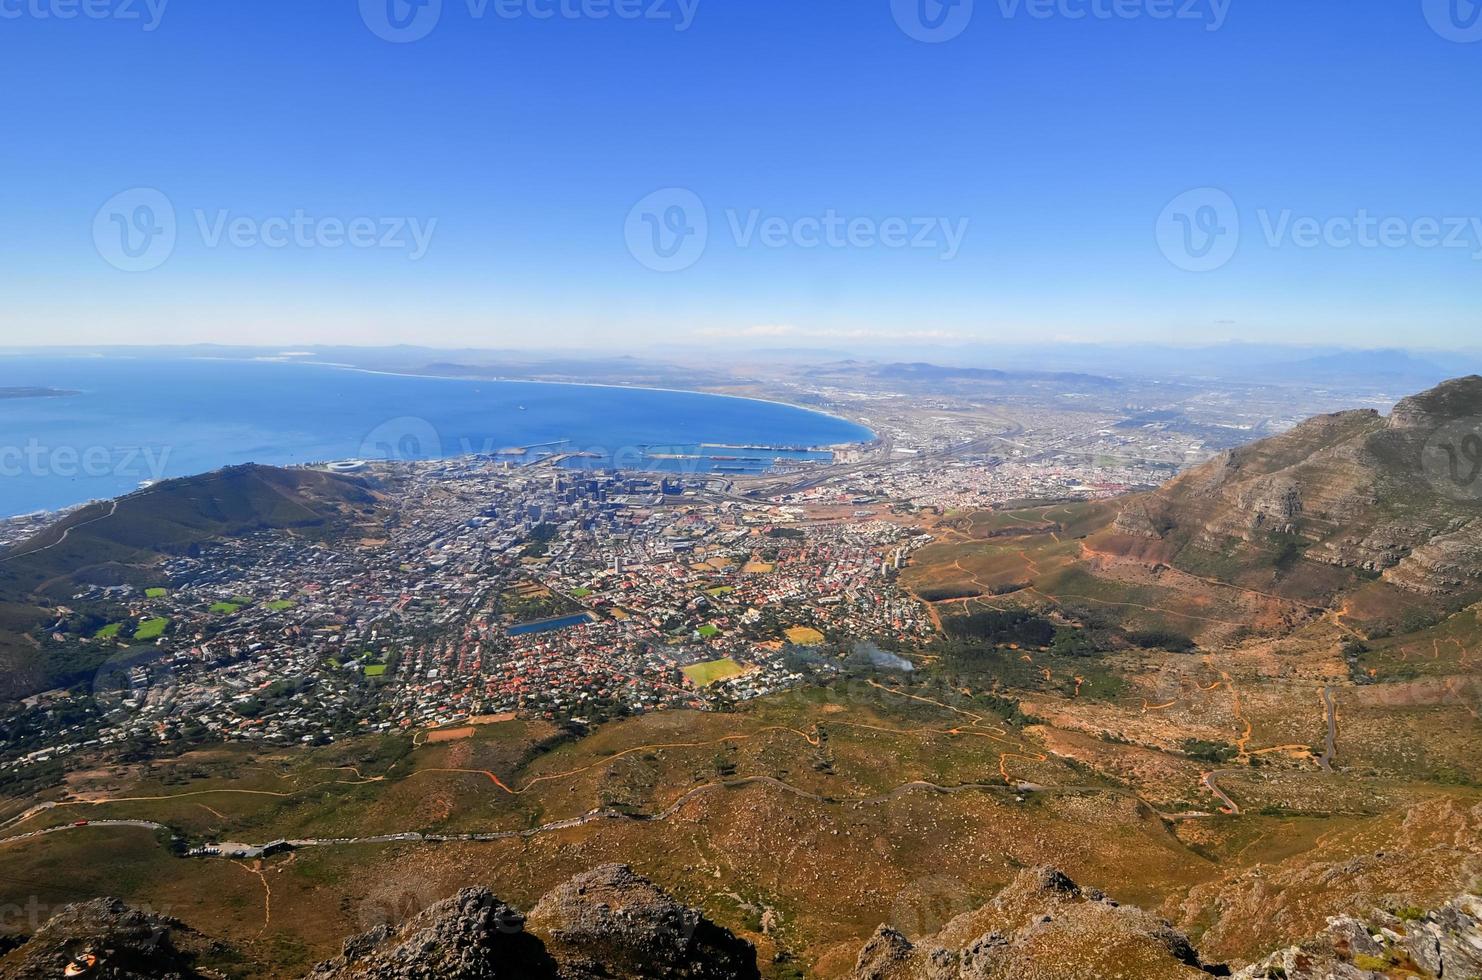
(134, 420)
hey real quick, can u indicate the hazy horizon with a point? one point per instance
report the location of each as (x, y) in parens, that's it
(472, 174)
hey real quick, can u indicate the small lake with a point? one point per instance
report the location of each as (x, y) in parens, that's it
(548, 625)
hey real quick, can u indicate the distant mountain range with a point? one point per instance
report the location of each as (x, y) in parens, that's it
(1387, 371)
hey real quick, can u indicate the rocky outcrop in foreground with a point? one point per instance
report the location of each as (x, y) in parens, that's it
(1045, 927)
(107, 940)
(605, 924)
(1041, 927)
(1445, 943)
(612, 924)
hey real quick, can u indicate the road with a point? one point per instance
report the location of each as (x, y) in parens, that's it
(1231, 807)
(596, 816)
(1330, 744)
(112, 509)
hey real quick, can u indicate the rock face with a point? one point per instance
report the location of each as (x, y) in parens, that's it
(1340, 503)
(1442, 944)
(1044, 927)
(1041, 927)
(471, 936)
(107, 940)
(609, 922)
(606, 924)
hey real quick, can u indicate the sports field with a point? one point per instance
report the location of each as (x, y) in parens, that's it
(703, 675)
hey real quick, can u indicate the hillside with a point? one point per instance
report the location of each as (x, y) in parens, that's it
(121, 542)
(1353, 509)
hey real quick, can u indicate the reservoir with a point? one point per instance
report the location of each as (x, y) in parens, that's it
(548, 625)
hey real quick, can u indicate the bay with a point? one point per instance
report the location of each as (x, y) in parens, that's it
(133, 420)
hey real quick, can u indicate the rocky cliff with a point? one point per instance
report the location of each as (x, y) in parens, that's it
(1393, 502)
(605, 924)
(612, 924)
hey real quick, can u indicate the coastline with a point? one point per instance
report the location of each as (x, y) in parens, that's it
(866, 435)
(593, 384)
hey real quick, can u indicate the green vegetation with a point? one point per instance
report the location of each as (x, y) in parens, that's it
(1162, 639)
(1072, 643)
(580, 593)
(539, 542)
(152, 629)
(1002, 627)
(705, 674)
(375, 670)
(278, 605)
(709, 631)
(156, 593)
(946, 592)
(108, 632)
(225, 608)
(1207, 751)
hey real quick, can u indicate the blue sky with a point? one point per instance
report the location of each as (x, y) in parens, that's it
(495, 165)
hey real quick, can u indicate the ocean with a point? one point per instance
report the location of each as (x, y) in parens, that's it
(135, 420)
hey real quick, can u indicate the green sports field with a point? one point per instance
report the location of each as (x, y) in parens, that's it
(703, 675)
